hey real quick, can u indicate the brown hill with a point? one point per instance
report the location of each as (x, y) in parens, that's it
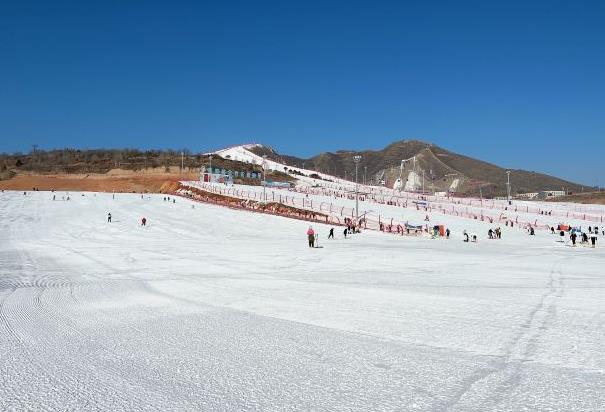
(586, 197)
(102, 170)
(440, 167)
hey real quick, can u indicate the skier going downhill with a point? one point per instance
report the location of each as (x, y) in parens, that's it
(331, 234)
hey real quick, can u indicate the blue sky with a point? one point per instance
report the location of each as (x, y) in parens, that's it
(519, 84)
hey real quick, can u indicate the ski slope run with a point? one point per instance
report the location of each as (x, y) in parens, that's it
(208, 308)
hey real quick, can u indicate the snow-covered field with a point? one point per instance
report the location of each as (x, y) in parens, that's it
(208, 308)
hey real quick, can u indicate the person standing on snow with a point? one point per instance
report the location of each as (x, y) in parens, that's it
(447, 233)
(593, 238)
(311, 236)
(108, 217)
(143, 222)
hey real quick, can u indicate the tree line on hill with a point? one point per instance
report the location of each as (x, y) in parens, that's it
(103, 160)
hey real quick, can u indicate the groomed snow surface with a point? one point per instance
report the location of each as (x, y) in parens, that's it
(208, 308)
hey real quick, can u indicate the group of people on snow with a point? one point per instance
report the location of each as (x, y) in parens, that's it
(585, 238)
(494, 233)
(466, 237)
(313, 237)
(352, 226)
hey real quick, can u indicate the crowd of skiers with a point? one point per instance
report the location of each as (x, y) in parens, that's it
(585, 238)
(576, 234)
(313, 237)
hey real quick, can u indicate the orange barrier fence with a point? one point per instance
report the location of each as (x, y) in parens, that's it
(342, 211)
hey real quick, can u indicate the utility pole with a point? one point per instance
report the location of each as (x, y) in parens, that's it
(401, 175)
(264, 178)
(365, 169)
(210, 156)
(356, 159)
(508, 186)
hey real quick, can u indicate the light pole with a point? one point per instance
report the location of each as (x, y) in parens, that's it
(401, 185)
(356, 159)
(264, 178)
(210, 167)
(508, 186)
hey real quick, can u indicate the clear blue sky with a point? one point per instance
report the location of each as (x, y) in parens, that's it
(520, 84)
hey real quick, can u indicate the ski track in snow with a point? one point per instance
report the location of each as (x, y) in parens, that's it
(213, 309)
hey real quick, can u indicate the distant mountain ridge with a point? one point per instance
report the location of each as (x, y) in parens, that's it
(441, 168)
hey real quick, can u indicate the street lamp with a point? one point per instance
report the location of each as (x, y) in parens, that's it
(401, 186)
(356, 159)
(210, 167)
(508, 186)
(264, 178)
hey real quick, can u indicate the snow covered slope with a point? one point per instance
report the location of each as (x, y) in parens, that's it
(242, 154)
(208, 308)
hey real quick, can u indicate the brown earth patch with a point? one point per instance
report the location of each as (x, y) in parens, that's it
(597, 198)
(115, 181)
